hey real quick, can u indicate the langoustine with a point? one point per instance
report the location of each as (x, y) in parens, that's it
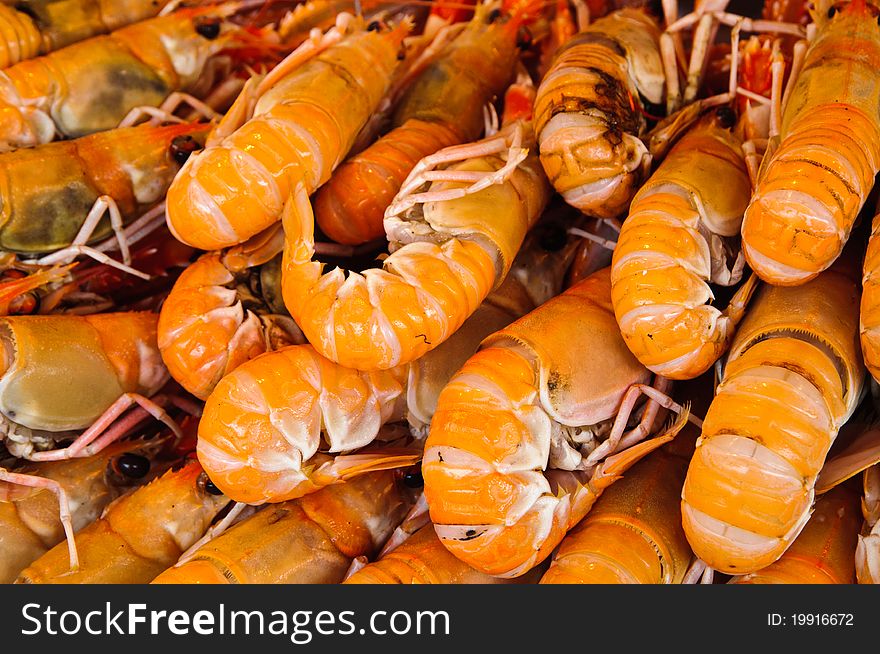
(310, 540)
(213, 202)
(750, 484)
(30, 517)
(587, 117)
(75, 91)
(452, 243)
(223, 310)
(441, 108)
(278, 426)
(59, 198)
(37, 27)
(65, 373)
(531, 430)
(140, 535)
(813, 183)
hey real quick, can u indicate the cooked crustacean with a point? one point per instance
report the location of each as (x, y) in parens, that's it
(422, 559)
(30, 516)
(63, 373)
(793, 376)
(224, 309)
(588, 117)
(813, 183)
(140, 535)
(441, 108)
(674, 242)
(310, 108)
(633, 533)
(36, 27)
(278, 426)
(530, 431)
(92, 85)
(310, 540)
(453, 232)
(59, 198)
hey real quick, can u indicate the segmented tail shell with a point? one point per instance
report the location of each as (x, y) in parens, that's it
(21, 39)
(493, 502)
(793, 376)
(587, 114)
(204, 332)
(823, 552)
(811, 187)
(671, 246)
(263, 424)
(238, 187)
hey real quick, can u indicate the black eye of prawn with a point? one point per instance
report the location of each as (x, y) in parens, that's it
(374, 26)
(211, 488)
(831, 11)
(133, 466)
(726, 117)
(413, 479)
(494, 15)
(208, 28)
(182, 147)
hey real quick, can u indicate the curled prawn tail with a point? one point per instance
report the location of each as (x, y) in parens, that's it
(660, 291)
(15, 288)
(21, 38)
(263, 424)
(487, 431)
(660, 295)
(611, 163)
(803, 210)
(823, 552)
(456, 243)
(673, 244)
(204, 332)
(429, 289)
(490, 500)
(732, 537)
